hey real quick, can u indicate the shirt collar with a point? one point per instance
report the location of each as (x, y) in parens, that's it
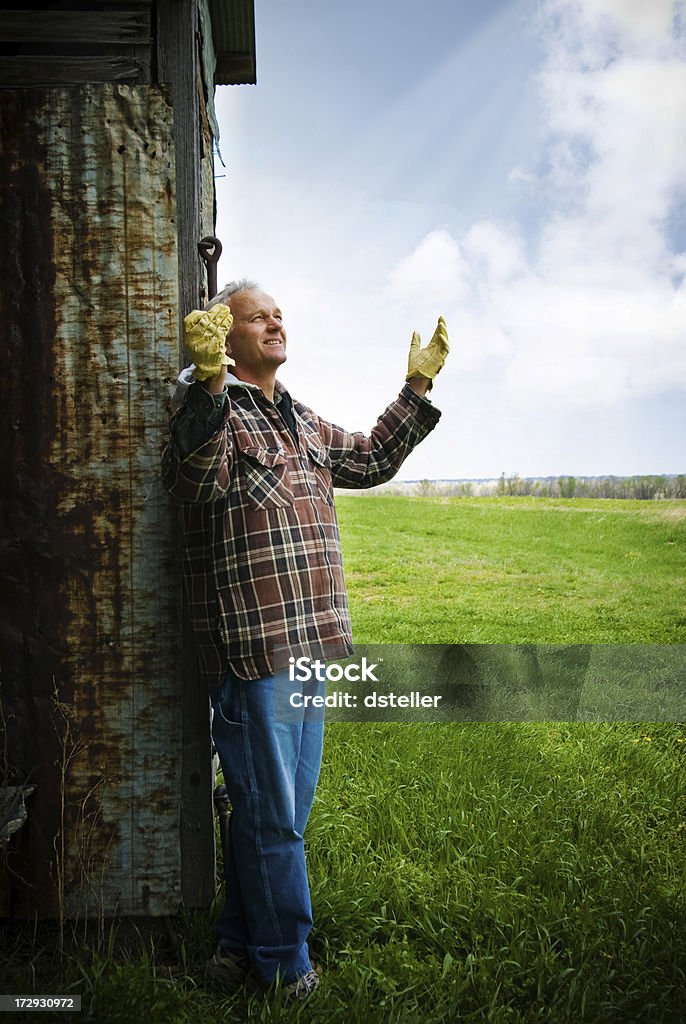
(232, 381)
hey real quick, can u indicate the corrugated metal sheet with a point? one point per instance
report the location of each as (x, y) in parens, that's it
(208, 64)
(89, 565)
(233, 25)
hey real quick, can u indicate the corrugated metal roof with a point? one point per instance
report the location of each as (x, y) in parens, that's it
(233, 29)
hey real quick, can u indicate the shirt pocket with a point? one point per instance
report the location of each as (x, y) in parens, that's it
(320, 462)
(266, 478)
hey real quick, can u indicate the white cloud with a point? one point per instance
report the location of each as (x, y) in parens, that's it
(500, 250)
(597, 314)
(645, 20)
(435, 270)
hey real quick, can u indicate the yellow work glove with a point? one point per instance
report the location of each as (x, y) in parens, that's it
(204, 336)
(426, 362)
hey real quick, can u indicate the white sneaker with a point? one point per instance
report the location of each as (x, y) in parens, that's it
(303, 986)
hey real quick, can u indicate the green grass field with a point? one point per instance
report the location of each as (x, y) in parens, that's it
(500, 872)
(515, 570)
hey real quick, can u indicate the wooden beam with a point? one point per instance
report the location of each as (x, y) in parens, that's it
(177, 67)
(177, 25)
(39, 70)
(102, 27)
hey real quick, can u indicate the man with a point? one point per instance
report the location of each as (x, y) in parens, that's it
(255, 470)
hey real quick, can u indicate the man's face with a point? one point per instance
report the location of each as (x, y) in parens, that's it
(257, 340)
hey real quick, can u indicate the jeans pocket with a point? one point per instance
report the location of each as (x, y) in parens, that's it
(226, 704)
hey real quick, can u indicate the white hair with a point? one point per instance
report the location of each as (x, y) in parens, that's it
(233, 288)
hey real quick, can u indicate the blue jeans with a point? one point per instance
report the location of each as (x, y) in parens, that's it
(270, 767)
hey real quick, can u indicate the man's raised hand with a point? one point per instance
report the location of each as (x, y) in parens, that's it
(426, 362)
(204, 338)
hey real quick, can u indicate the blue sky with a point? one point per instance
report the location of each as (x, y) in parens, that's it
(517, 167)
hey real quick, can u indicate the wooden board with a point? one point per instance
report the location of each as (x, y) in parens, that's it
(34, 70)
(102, 27)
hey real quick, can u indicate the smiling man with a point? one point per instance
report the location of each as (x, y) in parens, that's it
(255, 471)
(257, 343)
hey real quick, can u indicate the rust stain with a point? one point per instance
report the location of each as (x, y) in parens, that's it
(30, 626)
(91, 632)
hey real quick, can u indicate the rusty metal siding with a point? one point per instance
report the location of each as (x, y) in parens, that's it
(89, 565)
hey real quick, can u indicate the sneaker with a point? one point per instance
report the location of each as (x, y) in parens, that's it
(303, 986)
(228, 968)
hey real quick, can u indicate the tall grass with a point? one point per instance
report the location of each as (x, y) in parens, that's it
(468, 872)
(503, 872)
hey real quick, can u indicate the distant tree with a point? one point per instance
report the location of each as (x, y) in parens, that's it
(645, 488)
(513, 484)
(677, 488)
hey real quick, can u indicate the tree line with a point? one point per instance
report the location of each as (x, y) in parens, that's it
(641, 488)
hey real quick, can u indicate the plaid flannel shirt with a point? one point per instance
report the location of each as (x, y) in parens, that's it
(262, 550)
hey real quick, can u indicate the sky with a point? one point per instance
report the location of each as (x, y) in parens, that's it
(518, 167)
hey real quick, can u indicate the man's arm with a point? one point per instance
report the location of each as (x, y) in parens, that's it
(420, 385)
(363, 461)
(198, 460)
(360, 461)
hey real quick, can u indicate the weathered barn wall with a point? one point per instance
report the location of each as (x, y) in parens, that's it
(89, 563)
(99, 252)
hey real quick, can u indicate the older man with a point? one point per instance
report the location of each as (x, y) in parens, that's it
(255, 470)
